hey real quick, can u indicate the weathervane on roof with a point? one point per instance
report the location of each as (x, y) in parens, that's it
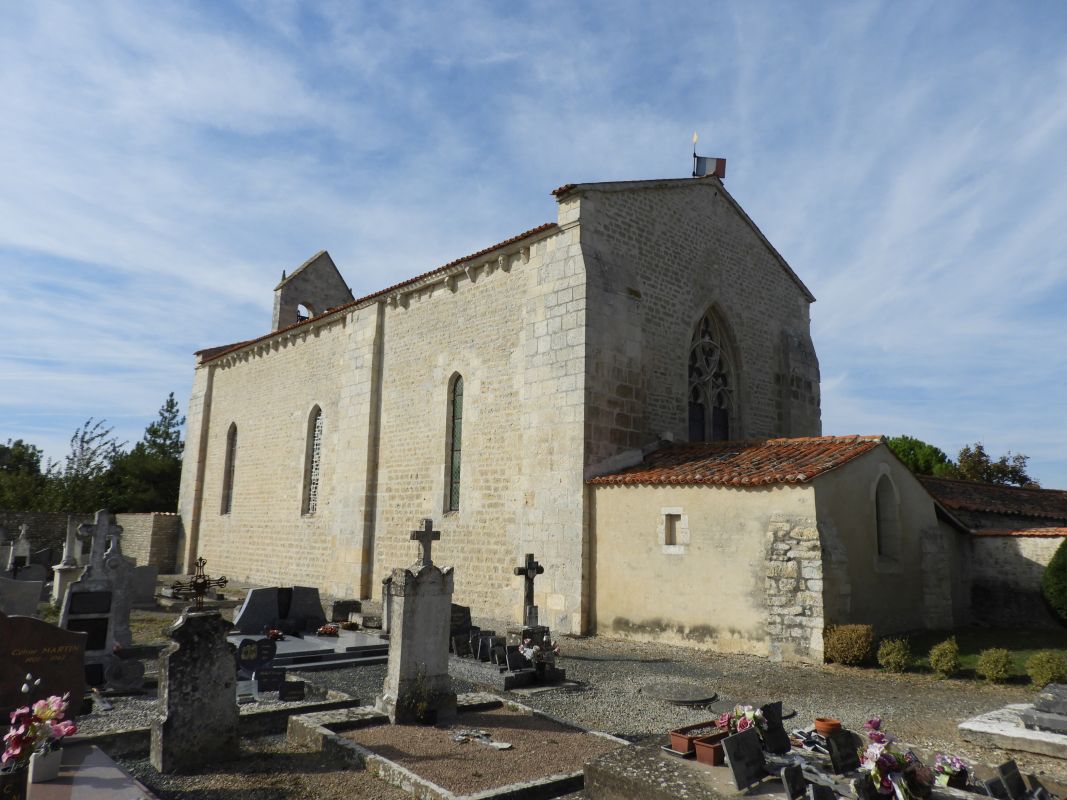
(704, 166)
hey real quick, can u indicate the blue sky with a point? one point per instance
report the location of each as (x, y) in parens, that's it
(161, 164)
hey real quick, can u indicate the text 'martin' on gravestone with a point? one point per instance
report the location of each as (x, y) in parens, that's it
(744, 756)
(197, 718)
(55, 655)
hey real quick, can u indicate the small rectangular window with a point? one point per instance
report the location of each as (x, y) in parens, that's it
(670, 528)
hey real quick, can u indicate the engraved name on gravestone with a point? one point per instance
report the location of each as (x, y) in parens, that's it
(269, 679)
(744, 756)
(52, 654)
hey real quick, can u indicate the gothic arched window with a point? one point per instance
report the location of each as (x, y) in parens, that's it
(455, 442)
(228, 469)
(711, 384)
(312, 462)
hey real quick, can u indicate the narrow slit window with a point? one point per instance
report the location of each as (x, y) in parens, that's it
(229, 469)
(670, 528)
(455, 442)
(312, 463)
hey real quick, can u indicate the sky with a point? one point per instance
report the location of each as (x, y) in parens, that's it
(162, 163)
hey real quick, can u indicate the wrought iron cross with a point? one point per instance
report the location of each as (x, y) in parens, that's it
(197, 586)
(424, 536)
(530, 570)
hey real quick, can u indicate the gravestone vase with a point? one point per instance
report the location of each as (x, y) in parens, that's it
(45, 766)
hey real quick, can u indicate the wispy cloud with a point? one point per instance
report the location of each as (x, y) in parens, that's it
(162, 164)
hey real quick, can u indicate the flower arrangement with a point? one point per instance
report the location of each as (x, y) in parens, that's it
(875, 734)
(35, 728)
(274, 634)
(950, 771)
(328, 630)
(741, 719)
(890, 770)
(538, 654)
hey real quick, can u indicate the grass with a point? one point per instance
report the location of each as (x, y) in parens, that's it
(972, 641)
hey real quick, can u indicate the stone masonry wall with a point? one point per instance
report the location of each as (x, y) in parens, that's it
(1006, 579)
(151, 539)
(794, 590)
(658, 258)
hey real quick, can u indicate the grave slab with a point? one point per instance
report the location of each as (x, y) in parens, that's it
(1003, 728)
(87, 773)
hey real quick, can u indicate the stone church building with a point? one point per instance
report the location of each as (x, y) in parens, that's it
(630, 392)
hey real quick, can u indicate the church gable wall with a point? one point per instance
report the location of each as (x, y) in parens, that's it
(516, 336)
(692, 564)
(657, 260)
(268, 392)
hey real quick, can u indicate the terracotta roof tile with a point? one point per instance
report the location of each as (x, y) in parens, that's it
(211, 353)
(1021, 532)
(747, 463)
(993, 499)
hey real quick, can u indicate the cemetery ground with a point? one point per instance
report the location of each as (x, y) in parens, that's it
(616, 694)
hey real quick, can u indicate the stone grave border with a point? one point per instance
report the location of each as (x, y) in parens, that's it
(321, 731)
(251, 723)
(1002, 728)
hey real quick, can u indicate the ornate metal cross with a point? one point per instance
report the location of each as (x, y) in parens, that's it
(424, 536)
(197, 586)
(531, 569)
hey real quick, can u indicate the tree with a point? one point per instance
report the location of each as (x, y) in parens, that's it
(922, 458)
(22, 481)
(85, 482)
(1054, 581)
(974, 464)
(147, 478)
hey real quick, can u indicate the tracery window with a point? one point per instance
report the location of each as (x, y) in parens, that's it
(228, 469)
(711, 384)
(455, 442)
(312, 462)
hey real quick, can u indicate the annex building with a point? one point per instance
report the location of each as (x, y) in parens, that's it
(630, 392)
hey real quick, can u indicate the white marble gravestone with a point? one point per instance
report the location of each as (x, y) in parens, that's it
(69, 568)
(417, 685)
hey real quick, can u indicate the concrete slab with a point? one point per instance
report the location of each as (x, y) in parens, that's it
(1003, 728)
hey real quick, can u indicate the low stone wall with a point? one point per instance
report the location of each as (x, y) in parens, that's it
(151, 538)
(47, 529)
(1006, 572)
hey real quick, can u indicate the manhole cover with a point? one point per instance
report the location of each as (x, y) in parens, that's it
(681, 694)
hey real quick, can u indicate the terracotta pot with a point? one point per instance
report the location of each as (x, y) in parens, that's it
(709, 749)
(824, 726)
(45, 766)
(14, 785)
(682, 739)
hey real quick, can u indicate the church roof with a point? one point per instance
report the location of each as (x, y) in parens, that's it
(212, 353)
(988, 498)
(746, 463)
(1039, 532)
(677, 183)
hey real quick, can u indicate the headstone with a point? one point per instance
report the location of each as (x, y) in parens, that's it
(269, 679)
(1009, 774)
(291, 690)
(793, 781)
(775, 738)
(387, 581)
(417, 684)
(498, 655)
(254, 654)
(844, 755)
(56, 656)
(461, 620)
(69, 568)
(461, 646)
(994, 787)
(144, 586)
(816, 791)
(1052, 699)
(197, 719)
(515, 659)
(19, 598)
(291, 610)
(20, 549)
(529, 570)
(43, 557)
(340, 609)
(32, 572)
(472, 640)
(5, 549)
(744, 756)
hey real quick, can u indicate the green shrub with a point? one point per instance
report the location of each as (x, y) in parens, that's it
(994, 664)
(1046, 667)
(850, 645)
(1054, 581)
(945, 658)
(895, 655)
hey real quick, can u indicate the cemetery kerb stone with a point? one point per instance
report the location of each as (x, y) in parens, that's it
(55, 655)
(198, 718)
(291, 610)
(417, 684)
(20, 598)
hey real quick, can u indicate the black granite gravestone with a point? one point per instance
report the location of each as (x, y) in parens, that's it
(844, 753)
(1009, 774)
(744, 756)
(816, 791)
(269, 679)
(793, 781)
(291, 690)
(253, 654)
(775, 738)
(461, 645)
(994, 787)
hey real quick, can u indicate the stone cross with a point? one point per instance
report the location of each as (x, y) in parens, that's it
(424, 536)
(98, 533)
(531, 569)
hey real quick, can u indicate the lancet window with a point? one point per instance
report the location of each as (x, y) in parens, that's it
(711, 384)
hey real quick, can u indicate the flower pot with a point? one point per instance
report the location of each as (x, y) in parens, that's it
(709, 749)
(45, 766)
(14, 785)
(824, 726)
(682, 738)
